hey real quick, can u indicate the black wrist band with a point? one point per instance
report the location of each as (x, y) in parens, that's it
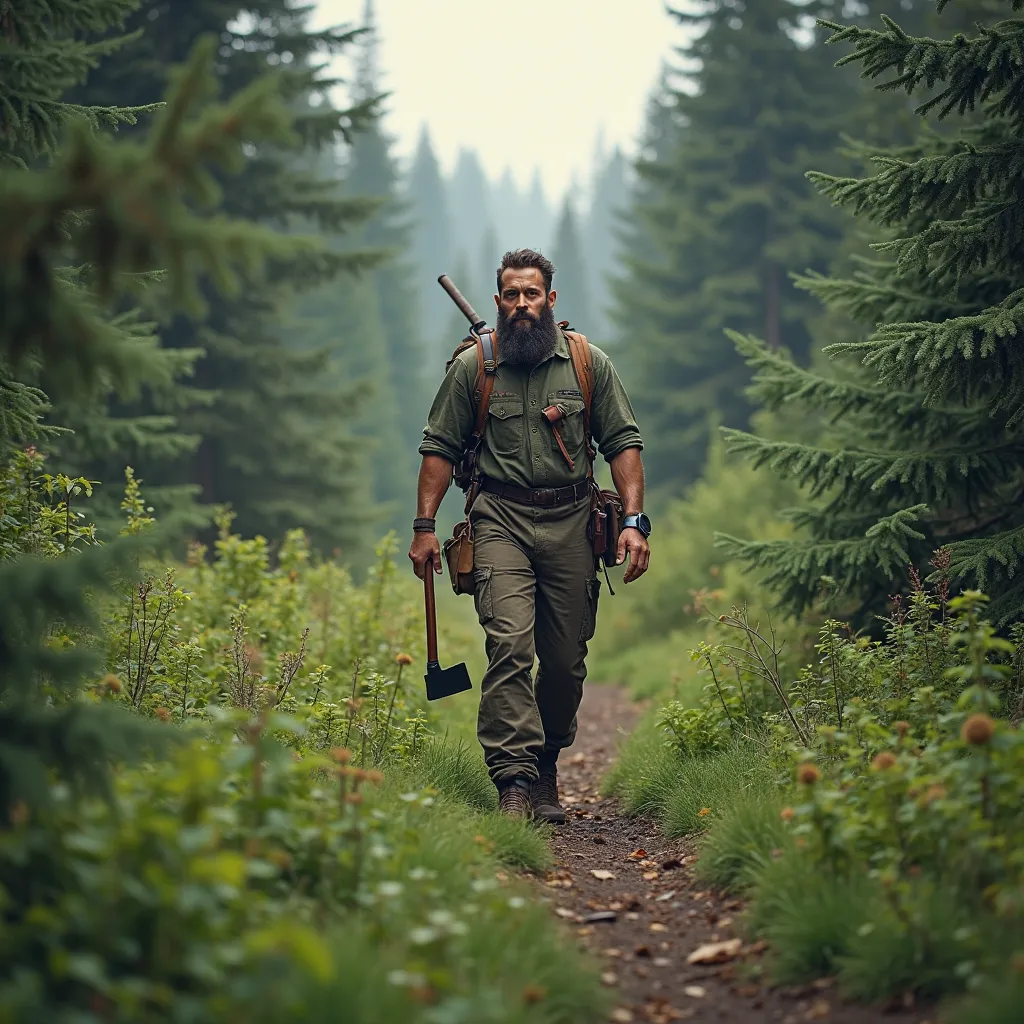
(423, 525)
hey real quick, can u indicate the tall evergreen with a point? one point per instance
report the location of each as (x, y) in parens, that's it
(537, 228)
(572, 277)
(470, 206)
(48, 49)
(275, 442)
(928, 447)
(136, 208)
(609, 199)
(726, 215)
(432, 242)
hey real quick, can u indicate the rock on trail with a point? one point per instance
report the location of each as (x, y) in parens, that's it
(669, 948)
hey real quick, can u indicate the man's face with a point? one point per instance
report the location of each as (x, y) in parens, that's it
(523, 297)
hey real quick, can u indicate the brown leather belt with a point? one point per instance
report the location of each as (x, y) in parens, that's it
(545, 497)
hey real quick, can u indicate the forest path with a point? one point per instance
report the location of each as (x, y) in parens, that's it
(645, 920)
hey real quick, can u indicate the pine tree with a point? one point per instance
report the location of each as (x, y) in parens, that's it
(726, 215)
(50, 48)
(137, 207)
(276, 443)
(470, 206)
(601, 230)
(399, 408)
(571, 277)
(432, 243)
(537, 228)
(928, 436)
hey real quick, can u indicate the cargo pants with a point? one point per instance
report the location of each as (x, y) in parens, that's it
(536, 597)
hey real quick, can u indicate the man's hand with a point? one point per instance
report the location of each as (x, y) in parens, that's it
(424, 550)
(633, 543)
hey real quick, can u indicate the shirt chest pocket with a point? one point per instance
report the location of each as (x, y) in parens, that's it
(571, 424)
(505, 426)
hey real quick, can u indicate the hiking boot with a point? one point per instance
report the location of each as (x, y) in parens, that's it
(544, 797)
(514, 799)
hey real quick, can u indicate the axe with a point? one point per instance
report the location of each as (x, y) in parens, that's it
(441, 682)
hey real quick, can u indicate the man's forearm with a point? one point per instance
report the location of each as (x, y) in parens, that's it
(435, 478)
(628, 474)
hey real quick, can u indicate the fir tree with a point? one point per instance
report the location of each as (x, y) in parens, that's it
(275, 443)
(571, 280)
(600, 235)
(537, 227)
(432, 243)
(137, 208)
(48, 48)
(726, 215)
(469, 203)
(929, 436)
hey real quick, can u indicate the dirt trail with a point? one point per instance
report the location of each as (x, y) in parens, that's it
(631, 897)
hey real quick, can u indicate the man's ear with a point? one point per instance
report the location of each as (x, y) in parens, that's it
(552, 296)
(497, 302)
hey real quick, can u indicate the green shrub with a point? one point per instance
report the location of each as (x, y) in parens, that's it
(743, 838)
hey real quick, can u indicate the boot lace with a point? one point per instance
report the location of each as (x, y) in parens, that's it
(545, 790)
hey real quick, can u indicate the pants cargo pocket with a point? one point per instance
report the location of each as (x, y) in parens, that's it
(482, 596)
(589, 625)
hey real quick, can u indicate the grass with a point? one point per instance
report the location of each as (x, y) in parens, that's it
(684, 794)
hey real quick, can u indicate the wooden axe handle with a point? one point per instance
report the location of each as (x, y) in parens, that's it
(431, 609)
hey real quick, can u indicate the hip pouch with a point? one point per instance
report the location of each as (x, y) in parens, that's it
(606, 514)
(458, 553)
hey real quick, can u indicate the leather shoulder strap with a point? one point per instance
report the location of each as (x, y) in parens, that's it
(583, 364)
(487, 367)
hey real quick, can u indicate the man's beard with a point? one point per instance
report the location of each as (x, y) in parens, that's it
(527, 341)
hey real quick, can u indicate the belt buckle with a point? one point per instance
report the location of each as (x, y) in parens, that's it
(544, 496)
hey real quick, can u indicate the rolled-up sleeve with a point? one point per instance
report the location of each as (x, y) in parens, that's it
(611, 419)
(450, 421)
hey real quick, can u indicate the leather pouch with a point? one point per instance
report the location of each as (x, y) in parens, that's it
(458, 553)
(606, 515)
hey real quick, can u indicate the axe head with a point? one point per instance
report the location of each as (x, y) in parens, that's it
(445, 682)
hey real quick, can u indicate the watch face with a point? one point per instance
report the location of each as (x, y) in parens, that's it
(643, 524)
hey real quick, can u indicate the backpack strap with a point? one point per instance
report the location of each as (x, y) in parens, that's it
(583, 365)
(486, 369)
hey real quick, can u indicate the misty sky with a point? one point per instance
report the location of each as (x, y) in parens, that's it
(547, 76)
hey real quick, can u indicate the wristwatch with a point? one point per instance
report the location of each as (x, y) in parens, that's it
(638, 522)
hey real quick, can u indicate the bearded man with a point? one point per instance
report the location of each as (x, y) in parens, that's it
(535, 573)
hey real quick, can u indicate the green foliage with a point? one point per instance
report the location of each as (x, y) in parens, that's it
(923, 438)
(896, 862)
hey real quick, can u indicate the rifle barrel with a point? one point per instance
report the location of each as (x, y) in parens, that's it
(460, 300)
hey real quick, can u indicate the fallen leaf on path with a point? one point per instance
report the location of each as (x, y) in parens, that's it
(602, 917)
(620, 1015)
(819, 1010)
(577, 759)
(650, 876)
(609, 978)
(694, 992)
(715, 952)
(665, 896)
(613, 952)
(724, 922)
(601, 875)
(566, 913)
(661, 961)
(638, 854)
(656, 926)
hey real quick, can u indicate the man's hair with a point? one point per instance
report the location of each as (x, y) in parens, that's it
(521, 259)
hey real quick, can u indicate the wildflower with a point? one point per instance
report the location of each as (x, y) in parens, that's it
(978, 730)
(787, 813)
(931, 794)
(373, 776)
(884, 761)
(403, 659)
(808, 773)
(534, 994)
(354, 798)
(163, 714)
(341, 754)
(112, 683)
(901, 728)
(703, 812)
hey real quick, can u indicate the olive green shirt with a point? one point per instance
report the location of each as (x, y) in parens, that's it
(519, 445)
